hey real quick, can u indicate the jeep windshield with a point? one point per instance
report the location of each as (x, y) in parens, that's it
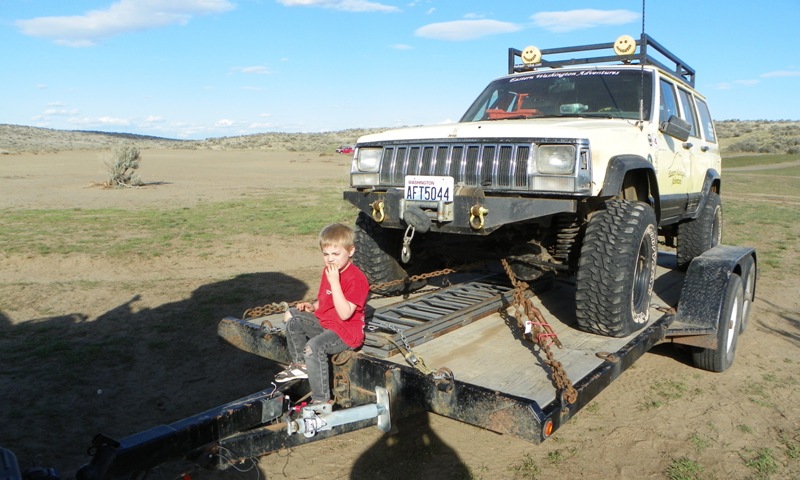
(604, 93)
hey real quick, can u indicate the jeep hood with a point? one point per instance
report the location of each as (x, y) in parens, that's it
(510, 129)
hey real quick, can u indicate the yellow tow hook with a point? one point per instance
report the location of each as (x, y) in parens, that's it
(476, 213)
(377, 211)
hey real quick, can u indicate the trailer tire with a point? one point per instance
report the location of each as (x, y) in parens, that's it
(719, 359)
(700, 234)
(748, 267)
(617, 269)
(373, 244)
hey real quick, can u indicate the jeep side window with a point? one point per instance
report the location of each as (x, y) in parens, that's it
(668, 106)
(705, 121)
(688, 111)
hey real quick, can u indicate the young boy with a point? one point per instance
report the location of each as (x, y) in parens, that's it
(334, 322)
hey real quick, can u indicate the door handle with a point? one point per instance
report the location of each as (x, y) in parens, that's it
(687, 145)
(705, 148)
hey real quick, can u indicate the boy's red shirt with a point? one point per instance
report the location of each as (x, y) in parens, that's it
(355, 287)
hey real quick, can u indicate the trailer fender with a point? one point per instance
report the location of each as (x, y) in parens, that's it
(706, 298)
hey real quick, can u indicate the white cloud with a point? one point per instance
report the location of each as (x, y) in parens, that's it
(344, 5)
(465, 29)
(256, 69)
(55, 111)
(224, 123)
(568, 21)
(401, 46)
(123, 16)
(154, 119)
(781, 74)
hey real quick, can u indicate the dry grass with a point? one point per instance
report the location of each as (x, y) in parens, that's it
(735, 137)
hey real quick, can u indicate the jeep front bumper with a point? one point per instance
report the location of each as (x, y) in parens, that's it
(471, 212)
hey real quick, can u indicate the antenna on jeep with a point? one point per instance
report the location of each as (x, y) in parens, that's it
(643, 52)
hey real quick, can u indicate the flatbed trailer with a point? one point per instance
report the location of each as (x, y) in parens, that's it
(457, 350)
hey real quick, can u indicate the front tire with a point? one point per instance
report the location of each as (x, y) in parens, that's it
(617, 269)
(374, 245)
(700, 234)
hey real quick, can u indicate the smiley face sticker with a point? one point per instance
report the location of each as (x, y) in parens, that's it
(531, 55)
(625, 45)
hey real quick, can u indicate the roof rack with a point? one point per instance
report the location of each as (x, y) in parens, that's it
(681, 70)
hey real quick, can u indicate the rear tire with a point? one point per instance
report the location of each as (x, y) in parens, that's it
(700, 234)
(373, 257)
(617, 269)
(719, 359)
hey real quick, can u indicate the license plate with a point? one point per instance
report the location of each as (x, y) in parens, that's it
(432, 189)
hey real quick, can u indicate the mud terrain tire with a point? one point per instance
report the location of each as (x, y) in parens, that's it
(373, 257)
(617, 269)
(700, 234)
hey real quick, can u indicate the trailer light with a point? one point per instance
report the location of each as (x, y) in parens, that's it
(548, 428)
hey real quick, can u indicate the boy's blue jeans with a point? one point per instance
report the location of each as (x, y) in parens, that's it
(311, 344)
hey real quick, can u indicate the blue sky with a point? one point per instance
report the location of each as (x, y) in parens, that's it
(196, 69)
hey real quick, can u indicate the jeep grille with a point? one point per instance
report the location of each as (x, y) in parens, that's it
(489, 165)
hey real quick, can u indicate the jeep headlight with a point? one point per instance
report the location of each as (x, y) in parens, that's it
(556, 159)
(368, 159)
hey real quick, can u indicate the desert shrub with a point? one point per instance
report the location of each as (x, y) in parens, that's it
(122, 168)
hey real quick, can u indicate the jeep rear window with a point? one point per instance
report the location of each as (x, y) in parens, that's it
(602, 92)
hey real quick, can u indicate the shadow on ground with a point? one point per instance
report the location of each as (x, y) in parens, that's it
(66, 378)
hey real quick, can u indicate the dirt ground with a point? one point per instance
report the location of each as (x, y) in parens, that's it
(136, 347)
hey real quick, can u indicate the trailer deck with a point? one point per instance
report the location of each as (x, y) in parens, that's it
(481, 342)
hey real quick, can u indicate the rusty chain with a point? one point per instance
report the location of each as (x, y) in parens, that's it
(538, 331)
(272, 308)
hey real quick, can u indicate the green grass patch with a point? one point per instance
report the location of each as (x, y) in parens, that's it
(750, 160)
(684, 469)
(526, 468)
(157, 232)
(764, 463)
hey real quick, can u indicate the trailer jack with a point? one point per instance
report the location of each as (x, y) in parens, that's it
(318, 418)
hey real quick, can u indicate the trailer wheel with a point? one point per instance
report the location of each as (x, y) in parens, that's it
(700, 234)
(373, 257)
(719, 359)
(617, 269)
(748, 266)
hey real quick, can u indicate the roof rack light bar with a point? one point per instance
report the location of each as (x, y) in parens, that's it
(680, 69)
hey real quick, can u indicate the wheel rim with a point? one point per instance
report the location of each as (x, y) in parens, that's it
(733, 324)
(716, 228)
(642, 275)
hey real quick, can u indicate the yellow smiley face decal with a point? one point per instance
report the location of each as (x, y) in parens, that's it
(531, 55)
(625, 45)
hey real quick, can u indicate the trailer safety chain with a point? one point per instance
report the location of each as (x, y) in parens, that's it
(538, 331)
(268, 309)
(424, 276)
(272, 308)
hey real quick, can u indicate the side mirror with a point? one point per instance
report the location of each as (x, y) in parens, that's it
(676, 127)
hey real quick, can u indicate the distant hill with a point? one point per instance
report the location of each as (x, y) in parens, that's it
(736, 136)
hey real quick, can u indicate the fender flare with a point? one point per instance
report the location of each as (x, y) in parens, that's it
(619, 167)
(712, 182)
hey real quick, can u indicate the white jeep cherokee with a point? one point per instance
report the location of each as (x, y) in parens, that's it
(572, 166)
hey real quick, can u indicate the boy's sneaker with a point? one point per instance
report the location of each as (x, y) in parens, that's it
(293, 372)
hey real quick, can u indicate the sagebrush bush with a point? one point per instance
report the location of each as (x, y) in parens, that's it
(123, 166)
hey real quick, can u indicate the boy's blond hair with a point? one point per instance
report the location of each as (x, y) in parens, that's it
(338, 235)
